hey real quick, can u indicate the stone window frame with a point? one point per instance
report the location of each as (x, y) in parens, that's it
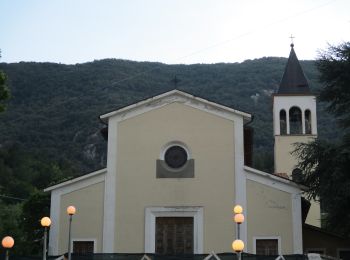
(175, 143)
(94, 240)
(278, 238)
(163, 170)
(150, 224)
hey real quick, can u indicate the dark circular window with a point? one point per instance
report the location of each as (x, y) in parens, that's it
(175, 157)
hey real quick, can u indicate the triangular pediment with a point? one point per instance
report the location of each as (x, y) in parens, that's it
(174, 96)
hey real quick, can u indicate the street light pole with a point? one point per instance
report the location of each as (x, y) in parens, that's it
(45, 243)
(71, 211)
(238, 244)
(238, 247)
(45, 222)
(7, 242)
(69, 237)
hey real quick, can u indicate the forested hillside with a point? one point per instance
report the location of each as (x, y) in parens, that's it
(51, 131)
(54, 108)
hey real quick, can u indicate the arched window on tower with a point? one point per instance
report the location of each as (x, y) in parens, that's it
(283, 122)
(308, 122)
(295, 123)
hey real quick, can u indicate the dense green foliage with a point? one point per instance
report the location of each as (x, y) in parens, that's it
(334, 67)
(22, 201)
(54, 108)
(326, 164)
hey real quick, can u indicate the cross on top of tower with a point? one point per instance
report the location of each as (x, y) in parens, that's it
(291, 39)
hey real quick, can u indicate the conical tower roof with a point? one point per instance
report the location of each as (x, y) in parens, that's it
(293, 80)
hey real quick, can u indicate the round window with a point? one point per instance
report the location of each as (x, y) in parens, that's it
(175, 157)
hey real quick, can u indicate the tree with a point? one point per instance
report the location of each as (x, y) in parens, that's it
(334, 66)
(22, 201)
(4, 92)
(326, 164)
(34, 208)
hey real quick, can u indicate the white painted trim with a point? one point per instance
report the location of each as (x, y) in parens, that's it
(170, 97)
(75, 180)
(240, 178)
(79, 185)
(56, 195)
(110, 189)
(297, 223)
(150, 224)
(303, 121)
(278, 238)
(55, 220)
(273, 180)
(84, 240)
(288, 123)
(286, 102)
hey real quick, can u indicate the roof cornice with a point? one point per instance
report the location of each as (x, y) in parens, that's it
(75, 180)
(275, 177)
(173, 96)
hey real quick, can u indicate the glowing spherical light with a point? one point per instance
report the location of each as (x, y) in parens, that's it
(239, 218)
(45, 221)
(7, 242)
(71, 210)
(238, 209)
(238, 245)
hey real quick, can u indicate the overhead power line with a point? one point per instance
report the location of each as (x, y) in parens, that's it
(10, 197)
(258, 28)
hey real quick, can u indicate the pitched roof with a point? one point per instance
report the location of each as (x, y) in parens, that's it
(174, 95)
(293, 80)
(274, 177)
(77, 179)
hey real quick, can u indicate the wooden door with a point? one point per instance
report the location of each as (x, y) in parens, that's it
(83, 247)
(267, 247)
(174, 235)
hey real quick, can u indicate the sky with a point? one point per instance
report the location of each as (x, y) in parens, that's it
(168, 31)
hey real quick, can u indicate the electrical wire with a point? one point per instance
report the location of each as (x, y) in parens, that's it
(10, 197)
(230, 39)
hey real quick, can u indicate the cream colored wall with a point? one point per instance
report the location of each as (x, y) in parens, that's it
(314, 215)
(88, 221)
(140, 140)
(269, 213)
(286, 163)
(284, 145)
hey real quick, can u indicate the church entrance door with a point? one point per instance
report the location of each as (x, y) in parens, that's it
(174, 235)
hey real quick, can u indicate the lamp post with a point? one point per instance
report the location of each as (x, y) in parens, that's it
(70, 211)
(238, 244)
(7, 243)
(45, 222)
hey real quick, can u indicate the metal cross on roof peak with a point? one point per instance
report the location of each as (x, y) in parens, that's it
(291, 39)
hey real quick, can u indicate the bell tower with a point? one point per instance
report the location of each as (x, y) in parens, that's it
(294, 115)
(294, 121)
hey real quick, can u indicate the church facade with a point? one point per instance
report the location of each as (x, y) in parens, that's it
(175, 169)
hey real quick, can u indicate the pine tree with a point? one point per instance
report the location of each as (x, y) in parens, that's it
(326, 164)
